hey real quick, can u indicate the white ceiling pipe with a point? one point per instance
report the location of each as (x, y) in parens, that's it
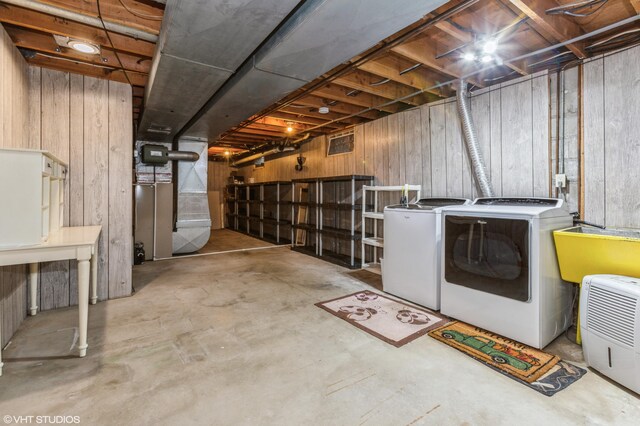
(83, 19)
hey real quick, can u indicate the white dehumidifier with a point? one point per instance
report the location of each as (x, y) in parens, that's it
(610, 327)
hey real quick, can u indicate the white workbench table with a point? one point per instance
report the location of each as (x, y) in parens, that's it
(78, 242)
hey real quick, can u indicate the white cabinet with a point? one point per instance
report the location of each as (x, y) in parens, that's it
(31, 196)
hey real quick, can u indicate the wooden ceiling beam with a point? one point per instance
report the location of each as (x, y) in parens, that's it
(635, 4)
(361, 80)
(297, 118)
(260, 132)
(390, 67)
(277, 123)
(421, 50)
(137, 79)
(340, 107)
(42, 22)
(114, 11)
(339, 93)
(44, 42)
(313, 112)
(555, 28)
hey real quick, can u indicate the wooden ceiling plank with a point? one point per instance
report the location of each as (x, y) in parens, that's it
(46, 23)
(635, 4)
(557, 27)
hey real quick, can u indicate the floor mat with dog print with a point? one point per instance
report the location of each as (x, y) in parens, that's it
(390, 320)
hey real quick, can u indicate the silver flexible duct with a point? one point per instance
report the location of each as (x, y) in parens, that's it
(471, 141)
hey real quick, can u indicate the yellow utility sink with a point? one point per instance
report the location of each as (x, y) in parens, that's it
(585, 251)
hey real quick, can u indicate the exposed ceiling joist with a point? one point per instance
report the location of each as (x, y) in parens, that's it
(313, 112)
(137, 79)
(340, 107)
(361, 80)
(355, 97)
(554, 27)
(420, 50)
(297, 118)
(115, 18)
(390, 67)
(44, 42)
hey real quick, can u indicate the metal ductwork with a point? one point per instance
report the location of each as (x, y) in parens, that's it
(267, 150)
(193, 224)
(201, 44)
(317, 37)
(471, 141)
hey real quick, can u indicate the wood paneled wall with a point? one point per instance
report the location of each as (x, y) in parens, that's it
(611, 97)
(217, 174)
(86, 122)
(14, 133)
(425, 145)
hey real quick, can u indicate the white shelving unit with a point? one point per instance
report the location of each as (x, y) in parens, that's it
(371, 238)
(32, 196)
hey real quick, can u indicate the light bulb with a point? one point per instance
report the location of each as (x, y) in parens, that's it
(486, 59)
(468, 56)
(226, 153)
(490, 46)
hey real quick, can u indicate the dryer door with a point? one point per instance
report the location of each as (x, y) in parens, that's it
(488, 254)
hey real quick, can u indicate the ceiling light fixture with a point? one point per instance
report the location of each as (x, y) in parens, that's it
(486, 59)
(490, 46)
(78, 45)
(289, 126)
(323, 110)
(84, 47)
(227, 153)
(468, 56)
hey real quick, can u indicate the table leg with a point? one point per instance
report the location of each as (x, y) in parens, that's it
(1, 364)
(33, 287)
(94, 277)
(83, 304)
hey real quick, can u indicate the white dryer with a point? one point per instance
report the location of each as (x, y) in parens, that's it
(411, 250)
(500, 271)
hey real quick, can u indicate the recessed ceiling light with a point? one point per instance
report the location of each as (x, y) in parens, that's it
(323, 110)
(84, 47)
(78, 45)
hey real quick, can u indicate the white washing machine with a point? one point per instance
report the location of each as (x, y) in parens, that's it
(500, 270)
(411, 250)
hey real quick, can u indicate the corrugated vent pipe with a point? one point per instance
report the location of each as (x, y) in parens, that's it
(471, 141)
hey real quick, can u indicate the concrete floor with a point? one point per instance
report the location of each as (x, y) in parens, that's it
(225, 240)
(235, 339)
